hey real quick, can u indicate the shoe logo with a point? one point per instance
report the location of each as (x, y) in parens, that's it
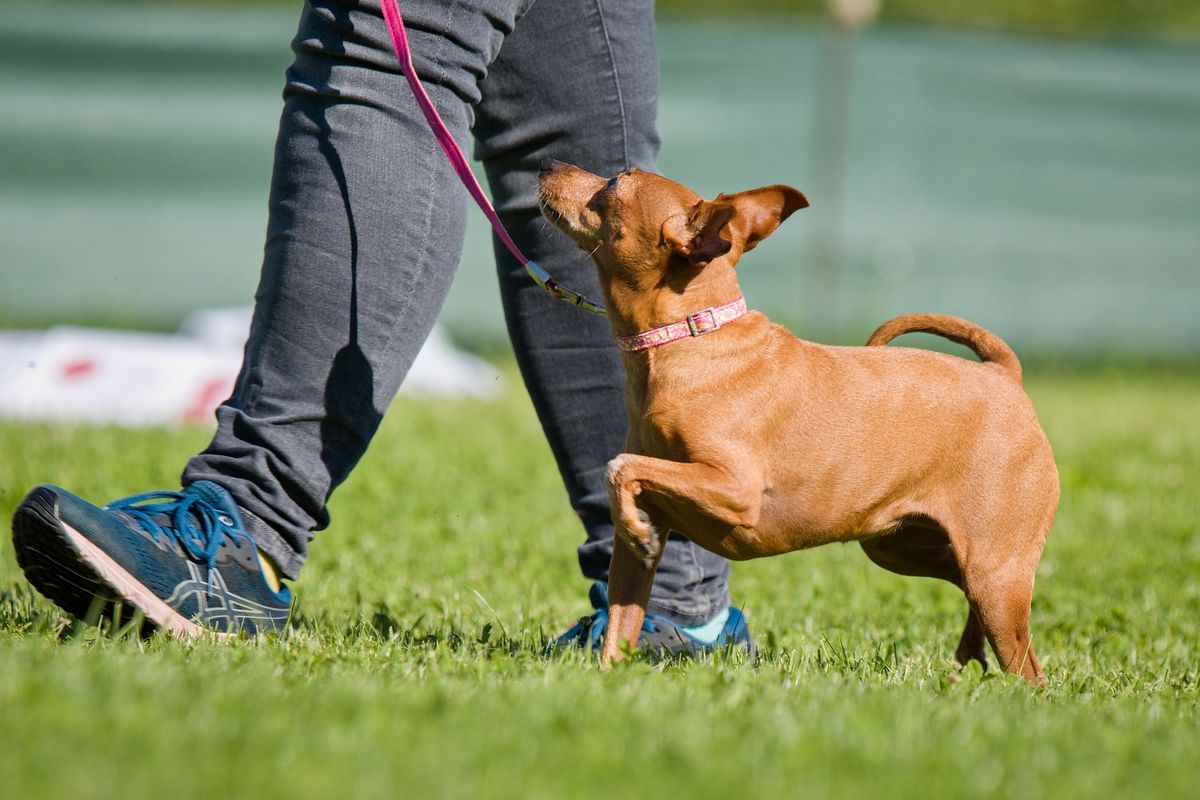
(220, 607)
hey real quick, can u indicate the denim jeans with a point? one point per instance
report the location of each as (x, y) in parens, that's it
(365, 230)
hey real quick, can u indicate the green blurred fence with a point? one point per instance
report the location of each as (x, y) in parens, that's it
(1047, 189)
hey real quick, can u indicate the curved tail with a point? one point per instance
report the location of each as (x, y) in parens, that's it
(988, 346)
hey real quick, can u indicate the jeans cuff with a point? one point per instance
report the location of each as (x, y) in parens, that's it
(285, 559)
(693, 610)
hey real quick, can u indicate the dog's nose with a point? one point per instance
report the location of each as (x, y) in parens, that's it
(548, 165)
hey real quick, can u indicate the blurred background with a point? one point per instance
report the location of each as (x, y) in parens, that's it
(1033, 166)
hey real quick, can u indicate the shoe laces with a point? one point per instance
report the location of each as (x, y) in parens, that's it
(196, 521)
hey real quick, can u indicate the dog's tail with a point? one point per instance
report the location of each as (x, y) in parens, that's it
(988, 346)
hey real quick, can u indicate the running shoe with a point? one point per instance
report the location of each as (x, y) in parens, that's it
(183, 558)
(658, 635)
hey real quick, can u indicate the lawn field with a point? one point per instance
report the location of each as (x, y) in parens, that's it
(415, 663)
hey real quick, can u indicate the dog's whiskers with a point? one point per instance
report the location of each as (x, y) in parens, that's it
(546, 210)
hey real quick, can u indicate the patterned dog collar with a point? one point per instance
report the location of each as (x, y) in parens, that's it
(698, 323)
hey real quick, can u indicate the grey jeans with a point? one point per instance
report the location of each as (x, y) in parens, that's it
(365, 230)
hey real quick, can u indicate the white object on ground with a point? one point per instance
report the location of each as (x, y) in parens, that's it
(128, 378)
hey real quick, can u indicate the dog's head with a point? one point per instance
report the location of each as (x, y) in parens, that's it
(638, 225)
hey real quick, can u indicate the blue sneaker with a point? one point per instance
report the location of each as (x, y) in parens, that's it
(658, 635)
(183, 558)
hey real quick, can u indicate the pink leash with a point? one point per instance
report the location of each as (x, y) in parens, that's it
(395, 26)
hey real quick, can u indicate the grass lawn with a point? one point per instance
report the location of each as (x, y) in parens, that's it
(415, 668)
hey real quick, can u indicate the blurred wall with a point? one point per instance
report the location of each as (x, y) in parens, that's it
(1049, 189)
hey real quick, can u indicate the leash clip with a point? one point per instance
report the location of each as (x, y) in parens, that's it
(560, 292)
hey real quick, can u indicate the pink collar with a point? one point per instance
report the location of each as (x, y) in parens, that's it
(698, 323)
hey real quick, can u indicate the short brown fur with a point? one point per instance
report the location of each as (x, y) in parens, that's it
(753, 442)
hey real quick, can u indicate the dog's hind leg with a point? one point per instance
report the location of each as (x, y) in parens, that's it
(998, 580)
(972, 645)
(922, 549)
(1003, 608)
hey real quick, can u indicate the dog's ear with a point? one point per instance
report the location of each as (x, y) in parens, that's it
(703, 234)
(761, 211)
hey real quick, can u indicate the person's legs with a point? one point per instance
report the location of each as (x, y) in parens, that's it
(366, 224)
(366, 228)
(577, 80)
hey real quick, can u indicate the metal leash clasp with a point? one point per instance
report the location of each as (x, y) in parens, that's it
(560, 292)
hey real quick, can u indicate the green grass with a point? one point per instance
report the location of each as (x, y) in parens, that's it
(415, 666)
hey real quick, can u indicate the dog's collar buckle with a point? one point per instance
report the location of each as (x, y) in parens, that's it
(703, 321)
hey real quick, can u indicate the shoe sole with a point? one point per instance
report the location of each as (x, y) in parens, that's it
(72, 571)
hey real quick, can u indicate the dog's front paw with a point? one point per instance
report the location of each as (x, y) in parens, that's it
(640, 536)
(633, 524)
(639, 528)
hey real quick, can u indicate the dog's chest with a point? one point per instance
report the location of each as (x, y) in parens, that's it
(683, 431)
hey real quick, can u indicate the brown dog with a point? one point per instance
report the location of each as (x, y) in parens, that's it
(753, 442)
